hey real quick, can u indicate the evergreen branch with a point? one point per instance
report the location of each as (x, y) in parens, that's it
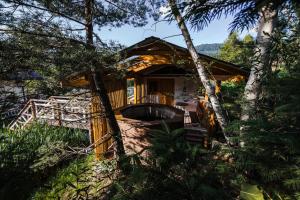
(120, 8)
(49, 10)
(41, 35)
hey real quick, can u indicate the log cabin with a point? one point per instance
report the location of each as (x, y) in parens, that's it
(165, 85)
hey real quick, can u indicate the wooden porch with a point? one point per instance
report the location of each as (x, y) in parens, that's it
(71, 112)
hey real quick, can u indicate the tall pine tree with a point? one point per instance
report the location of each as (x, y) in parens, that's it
(238, 51)
(70, 21)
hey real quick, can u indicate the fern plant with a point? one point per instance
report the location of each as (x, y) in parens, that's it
(29, 156)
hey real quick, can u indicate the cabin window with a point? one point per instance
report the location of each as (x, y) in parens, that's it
(153, 86)
(130, 91)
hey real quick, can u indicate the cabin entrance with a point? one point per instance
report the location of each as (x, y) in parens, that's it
(161, 90)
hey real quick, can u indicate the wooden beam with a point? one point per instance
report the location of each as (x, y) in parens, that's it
(154, 52)
(218, 87)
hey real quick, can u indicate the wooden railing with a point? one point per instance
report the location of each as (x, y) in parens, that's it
(164, 99)
(73, 112)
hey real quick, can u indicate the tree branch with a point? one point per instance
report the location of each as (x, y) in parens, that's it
(49, 10)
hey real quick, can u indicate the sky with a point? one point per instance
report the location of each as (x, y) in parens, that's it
(216, 32)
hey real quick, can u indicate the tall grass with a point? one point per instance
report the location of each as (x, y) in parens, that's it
(29, 156)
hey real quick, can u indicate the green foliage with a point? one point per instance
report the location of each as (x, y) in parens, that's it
(238, 51)
(28, 156)
(83, 178)
(251, 192)
(245, 12)
(270, 156)
(175, 169)
(34, 52)
(232, 94)
(47, 36)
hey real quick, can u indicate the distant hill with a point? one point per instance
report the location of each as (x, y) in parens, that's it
(209, 49)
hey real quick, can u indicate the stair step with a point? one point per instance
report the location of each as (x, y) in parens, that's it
(195, 142)
(199, 129)
(193, 134)
(194, 139)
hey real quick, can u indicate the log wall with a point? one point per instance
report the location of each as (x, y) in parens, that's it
(117, 92)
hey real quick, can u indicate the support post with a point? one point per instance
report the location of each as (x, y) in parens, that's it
(57, 112)
(33, 109)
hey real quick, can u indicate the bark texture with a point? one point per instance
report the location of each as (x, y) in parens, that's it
(99, 87)
(261, 64)
(202, 72)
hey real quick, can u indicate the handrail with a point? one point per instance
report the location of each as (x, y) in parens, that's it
(65, 97)
(26, 108)
(54, 110)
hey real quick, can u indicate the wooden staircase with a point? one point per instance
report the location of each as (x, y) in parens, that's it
(195, 134)
(72, 112)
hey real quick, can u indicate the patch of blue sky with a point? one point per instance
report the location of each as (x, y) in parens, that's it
(215, 32)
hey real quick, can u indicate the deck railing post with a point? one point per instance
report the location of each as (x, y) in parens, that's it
(57, 112)
(90, 123)
(33, 109)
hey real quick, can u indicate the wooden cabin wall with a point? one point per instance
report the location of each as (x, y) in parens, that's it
(139, 90)
(98, 126)
(117, 92)
(165, 90)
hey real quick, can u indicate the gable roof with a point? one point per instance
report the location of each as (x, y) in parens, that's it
(154, 53)
(156, 46)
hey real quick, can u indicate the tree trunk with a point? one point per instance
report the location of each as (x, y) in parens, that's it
(262, 65)
(216, 105)
(99, 87)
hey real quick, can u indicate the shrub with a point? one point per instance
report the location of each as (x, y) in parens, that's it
(28, 156)
(175, 170)
(232, 94)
